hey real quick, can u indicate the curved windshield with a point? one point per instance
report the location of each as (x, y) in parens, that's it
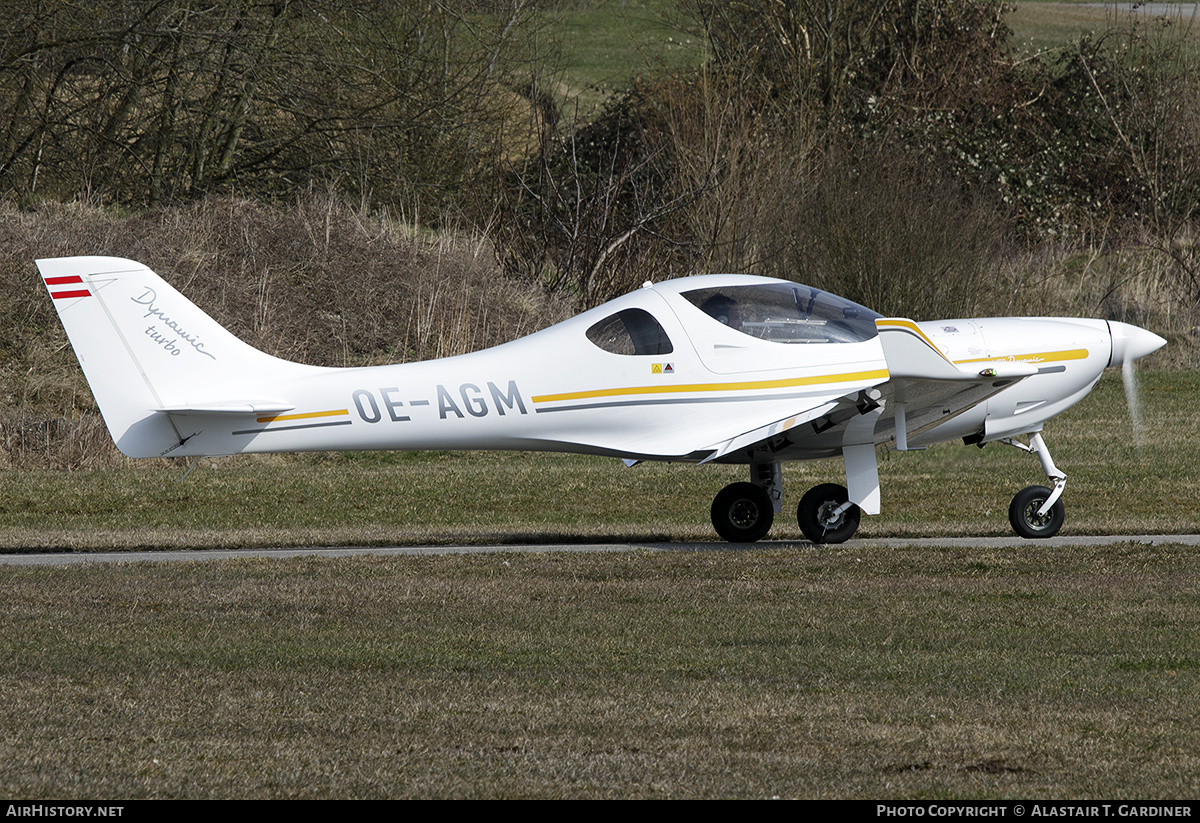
(787, 313)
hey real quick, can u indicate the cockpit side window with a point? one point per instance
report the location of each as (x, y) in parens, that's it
(630, 332)
(787, 313)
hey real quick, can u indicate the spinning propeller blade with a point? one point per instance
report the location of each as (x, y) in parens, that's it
(1130, 343)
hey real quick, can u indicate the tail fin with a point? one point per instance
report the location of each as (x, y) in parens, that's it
(146, 351)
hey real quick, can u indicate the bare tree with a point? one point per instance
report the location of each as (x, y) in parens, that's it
(160, 100)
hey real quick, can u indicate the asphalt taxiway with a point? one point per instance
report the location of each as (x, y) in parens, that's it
(66, 558)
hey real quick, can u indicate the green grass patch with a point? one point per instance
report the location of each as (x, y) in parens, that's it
(1039, 26)
(799, 672)
(1043, 26)
(608, 42)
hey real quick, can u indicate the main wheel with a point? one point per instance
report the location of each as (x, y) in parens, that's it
(818, 517)
(1023, 513)
(742, 513)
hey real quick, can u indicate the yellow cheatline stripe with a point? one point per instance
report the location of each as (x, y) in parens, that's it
(903, 324)
(908, 325)
(307, 415)
(1035, 357)
(876, 374)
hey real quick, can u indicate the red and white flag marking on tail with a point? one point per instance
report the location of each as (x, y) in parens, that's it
(59, 287)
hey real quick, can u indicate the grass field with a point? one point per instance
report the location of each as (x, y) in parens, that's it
(607, 42)
(801, 673)
(781, 670)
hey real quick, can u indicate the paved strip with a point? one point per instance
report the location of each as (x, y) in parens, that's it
(66, 558)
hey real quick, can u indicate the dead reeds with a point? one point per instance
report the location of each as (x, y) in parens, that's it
(316, 281)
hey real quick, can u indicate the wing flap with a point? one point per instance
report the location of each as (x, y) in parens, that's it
(765, 434)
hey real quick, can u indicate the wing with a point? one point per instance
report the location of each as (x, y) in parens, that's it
(928, 392)
(696, 422)
(924, 392)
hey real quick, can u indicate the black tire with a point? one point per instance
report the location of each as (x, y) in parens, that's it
(1023, 514)
(813, 514)
(742, 513)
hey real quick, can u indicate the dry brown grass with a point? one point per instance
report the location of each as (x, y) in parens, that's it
(316, 281)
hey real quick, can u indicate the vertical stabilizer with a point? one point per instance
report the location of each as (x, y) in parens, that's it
(145, 349)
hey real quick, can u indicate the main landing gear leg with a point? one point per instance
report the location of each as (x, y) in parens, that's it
(1038, 512)
(744, 512)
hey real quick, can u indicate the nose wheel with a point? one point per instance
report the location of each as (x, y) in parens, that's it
(1037, 512)
(1027, 517)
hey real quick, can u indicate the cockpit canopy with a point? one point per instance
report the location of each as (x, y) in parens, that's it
(786, 313)
(774, 311)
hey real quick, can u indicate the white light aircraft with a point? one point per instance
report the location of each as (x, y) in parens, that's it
(705, 369)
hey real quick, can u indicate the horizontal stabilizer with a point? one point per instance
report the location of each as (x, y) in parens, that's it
(248, 407)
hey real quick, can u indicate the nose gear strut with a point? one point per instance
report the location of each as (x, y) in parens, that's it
(1036, 511)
